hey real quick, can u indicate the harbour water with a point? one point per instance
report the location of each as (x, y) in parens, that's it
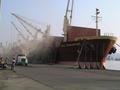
(112, 65)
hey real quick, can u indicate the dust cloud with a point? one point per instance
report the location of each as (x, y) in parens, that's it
(42, 49)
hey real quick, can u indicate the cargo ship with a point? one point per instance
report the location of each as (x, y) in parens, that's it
(82, 46)
(85, 49)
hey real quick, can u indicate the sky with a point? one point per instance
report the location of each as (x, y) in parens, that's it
(52, 12)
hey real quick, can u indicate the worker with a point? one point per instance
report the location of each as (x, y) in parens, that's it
(13, 64)
(2, 62)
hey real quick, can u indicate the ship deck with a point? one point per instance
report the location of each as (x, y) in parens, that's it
(96, 37)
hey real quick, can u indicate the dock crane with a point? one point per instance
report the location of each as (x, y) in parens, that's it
(68, 18)
(26, 29)
(19, 31)
(23, 22)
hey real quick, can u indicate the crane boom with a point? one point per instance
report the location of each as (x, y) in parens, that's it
(71, 11)
(26, 29)
(23, 22)
(67, 9)
(19, 18)
(67, 19)
(18, 31)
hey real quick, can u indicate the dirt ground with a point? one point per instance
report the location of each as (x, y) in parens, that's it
(9, 80)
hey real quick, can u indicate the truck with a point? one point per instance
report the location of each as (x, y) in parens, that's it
(22, 60)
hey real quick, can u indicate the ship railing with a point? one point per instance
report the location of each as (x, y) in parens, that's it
(108, 34)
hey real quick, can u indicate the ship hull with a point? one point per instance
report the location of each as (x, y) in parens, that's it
(89, 53)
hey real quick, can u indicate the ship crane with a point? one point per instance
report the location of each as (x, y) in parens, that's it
(23, 22)
(68, 18)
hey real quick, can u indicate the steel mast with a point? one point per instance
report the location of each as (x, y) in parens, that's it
(97, 12)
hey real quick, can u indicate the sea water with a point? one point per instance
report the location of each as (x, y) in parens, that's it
(112, 65)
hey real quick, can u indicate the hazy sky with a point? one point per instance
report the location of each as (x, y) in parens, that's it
(52, 12)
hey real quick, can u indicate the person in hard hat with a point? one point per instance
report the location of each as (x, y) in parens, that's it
(13, 64)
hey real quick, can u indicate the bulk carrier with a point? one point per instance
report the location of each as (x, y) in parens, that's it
(82, 46)
(86, 51)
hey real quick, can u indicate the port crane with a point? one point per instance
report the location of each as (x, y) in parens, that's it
(23, 46)
(19, 31)
(68, 18)
(23, 22)
(26, 29)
